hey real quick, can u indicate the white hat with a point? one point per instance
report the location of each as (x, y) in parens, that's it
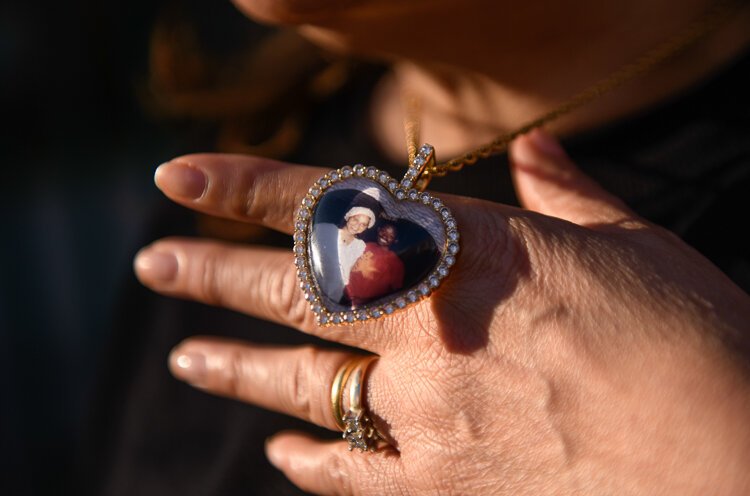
(372, 192)
(361, 211)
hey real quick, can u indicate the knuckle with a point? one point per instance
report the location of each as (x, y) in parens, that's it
(286, 298)
(248, 204)
(211, 279)
(299, 390)
(254, 200)
(233, 374)
(338, 473)
(535, 242)
(498, 245)
(492, 232)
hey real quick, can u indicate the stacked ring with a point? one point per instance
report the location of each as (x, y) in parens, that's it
(356, 424)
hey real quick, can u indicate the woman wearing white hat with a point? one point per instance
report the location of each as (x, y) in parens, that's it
(335, 250)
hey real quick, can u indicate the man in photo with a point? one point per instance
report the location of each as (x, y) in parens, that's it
(379, 271)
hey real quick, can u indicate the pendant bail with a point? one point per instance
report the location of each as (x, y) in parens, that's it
(418, 174)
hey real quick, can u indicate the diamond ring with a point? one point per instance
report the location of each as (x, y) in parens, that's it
(351, 417)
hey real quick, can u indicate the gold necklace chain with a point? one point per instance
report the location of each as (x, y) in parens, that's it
(712, 19)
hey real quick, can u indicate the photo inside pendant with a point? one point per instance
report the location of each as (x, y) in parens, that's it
(366, 247)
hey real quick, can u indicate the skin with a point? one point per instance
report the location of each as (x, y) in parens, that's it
(512, 62)
(356, 224)
(562, 355)
(386, 235)
(571, 360)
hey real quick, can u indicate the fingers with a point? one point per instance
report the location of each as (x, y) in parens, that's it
(265, 192)
(548, 182)
(294, 381)
(238, 187)
(261, 282)
(258, 281)
(330, 468)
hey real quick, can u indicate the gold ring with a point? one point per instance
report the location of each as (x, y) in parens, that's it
(354, 421)
(342, 377)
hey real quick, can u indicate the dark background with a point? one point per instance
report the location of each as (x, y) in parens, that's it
(81, 138)
(78, 151)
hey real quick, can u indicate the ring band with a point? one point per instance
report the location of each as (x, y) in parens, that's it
(355, 423)
(342, 377)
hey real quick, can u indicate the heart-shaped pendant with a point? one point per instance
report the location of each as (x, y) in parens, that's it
(367, 245)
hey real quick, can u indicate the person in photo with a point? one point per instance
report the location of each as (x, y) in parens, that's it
(379, 271)
(336, 249)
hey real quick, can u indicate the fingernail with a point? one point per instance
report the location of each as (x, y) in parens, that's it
(156, 266)
(181, 179)
(546, 143)
(189, 367)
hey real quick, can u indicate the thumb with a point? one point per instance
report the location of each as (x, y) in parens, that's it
(548, 182)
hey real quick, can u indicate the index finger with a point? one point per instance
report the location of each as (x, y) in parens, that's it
(239, 187)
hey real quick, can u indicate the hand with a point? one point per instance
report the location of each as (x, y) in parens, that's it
(575, 348)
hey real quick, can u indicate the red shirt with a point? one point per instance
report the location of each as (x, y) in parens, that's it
(377, 273)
